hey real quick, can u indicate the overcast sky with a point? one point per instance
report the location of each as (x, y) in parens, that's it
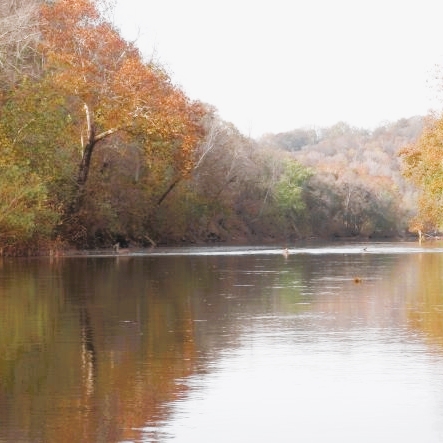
(273, 66)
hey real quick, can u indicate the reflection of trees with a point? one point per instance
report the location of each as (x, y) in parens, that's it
(94, 349)
(143, 344)
(100, 344)
(99, 378)
(371, 302)
(88, 354)
(425, 298)
(395, 290)
(29, 304)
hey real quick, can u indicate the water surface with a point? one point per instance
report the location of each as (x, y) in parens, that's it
(221, 344)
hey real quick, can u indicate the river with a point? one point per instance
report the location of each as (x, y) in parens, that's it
(337, 343)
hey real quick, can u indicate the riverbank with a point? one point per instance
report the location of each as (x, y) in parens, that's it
(59, 249)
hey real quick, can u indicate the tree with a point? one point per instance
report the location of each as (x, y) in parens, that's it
(357, 187)
(25, 210)
(423, 166)
(103, 135)
(289, 194)
(223, 163)
(111, 92)
(19, 35)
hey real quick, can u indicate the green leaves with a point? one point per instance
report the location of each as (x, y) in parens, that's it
(288, 191)
(23, 205)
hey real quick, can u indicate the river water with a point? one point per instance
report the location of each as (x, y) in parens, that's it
(330, 343)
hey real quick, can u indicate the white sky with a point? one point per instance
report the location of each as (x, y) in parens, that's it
(273, 66)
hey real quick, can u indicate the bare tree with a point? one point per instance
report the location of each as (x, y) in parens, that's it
(19, 34)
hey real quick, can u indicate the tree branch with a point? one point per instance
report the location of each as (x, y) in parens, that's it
(104, 134)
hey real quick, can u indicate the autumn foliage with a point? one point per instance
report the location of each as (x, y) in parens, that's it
(98, 146)
(93, 89)
(110, 89)
(423, 166)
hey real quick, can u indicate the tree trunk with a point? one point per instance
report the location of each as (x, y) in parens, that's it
(83, 169)
(85, 164)
(165, 194)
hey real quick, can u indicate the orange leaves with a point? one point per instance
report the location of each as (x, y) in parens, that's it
(81, 51)
(93, 68)
(63, 21)
(91, 61)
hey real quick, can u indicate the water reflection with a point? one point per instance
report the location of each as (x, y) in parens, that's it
(223, 347)
(90, 349)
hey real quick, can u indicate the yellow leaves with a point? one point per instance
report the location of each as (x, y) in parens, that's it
(6, 152)
(423, 165)
(23, 204)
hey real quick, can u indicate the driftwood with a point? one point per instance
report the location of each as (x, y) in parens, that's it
(153, 244)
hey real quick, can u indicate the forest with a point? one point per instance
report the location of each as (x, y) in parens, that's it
(98, 146)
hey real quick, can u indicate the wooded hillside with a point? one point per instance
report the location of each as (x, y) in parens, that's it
(357, 185)
(99, 146)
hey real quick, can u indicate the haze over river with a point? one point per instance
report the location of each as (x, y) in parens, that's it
(329, 344)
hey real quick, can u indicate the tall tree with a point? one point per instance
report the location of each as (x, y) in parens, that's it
(110, 90)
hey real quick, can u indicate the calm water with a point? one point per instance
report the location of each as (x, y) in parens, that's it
(224, 345)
